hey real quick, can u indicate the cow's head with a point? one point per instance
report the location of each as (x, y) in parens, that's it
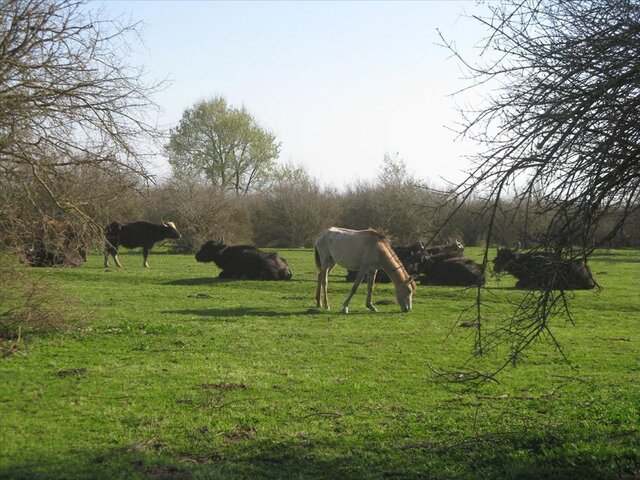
(503, 258)
(210, 250)
(171, 231)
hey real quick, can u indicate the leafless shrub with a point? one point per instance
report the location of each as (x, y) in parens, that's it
(30, 306)
(292, 211)
(562, 138)
(200, 211)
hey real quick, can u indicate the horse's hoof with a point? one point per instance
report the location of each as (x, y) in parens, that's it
(372, 308)
(345, 310)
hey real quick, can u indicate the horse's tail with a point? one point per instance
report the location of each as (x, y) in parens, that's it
(317, 255)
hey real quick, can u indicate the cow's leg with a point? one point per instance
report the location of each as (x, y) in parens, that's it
(354, 288)
(111, 249)
(371, 281)
(145, 254)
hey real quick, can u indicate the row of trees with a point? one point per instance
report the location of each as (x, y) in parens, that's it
(294, 208)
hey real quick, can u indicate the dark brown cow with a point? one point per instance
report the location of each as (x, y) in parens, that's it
(411, 256)
(244, 262)
(543, 270)
(136, 234)
(449, 250)
(57, 243)
(451, 271)
(415, 257)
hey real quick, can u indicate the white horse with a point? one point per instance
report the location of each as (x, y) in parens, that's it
(365, 251)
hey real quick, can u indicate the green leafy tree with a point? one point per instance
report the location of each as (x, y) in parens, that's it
(223, 144)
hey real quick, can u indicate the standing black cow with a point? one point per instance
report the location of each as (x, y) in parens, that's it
(244, 262)
(136, 234)
(537, 270)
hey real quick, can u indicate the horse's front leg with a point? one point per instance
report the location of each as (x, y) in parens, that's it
(370, 284)
(354, 288)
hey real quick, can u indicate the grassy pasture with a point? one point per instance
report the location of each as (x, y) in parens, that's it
(180, 375)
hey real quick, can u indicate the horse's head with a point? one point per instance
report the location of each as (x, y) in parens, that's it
(404, 294)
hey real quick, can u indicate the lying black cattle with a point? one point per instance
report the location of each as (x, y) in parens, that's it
(449, 250)
(538, 270)
(415, 257)
(451, 271)
(244, 262)
(411, 256)
(136, 234)
(57, 243)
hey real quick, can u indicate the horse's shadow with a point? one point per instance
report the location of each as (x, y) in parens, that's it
(232, 312)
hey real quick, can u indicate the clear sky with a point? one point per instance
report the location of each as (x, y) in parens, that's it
(339, 83)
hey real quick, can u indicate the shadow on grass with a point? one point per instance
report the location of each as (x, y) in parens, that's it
(233, 312)
(198, 281)
(216, 280)
(237, 312)
(516, 455)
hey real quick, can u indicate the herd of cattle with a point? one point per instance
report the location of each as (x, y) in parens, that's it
(430, 265)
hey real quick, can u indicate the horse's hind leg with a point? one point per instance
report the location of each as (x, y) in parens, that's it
(326, 265)
(370, 284)
(321, 289)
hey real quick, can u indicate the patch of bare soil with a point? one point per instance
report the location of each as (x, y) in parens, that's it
(225, 387)
(199, 295)
(201, 458)
(243, 432)
(162, 472)
(72, 371)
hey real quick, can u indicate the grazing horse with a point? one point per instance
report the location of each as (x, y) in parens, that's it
(366, 251)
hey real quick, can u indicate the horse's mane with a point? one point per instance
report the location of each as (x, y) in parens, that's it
(391, 253)
(379, 235)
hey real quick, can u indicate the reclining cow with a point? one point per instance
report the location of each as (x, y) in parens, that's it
(450, 270)
(136, 234)
(541, 270)
(445, 251)
(414, 258)
(411, 256)
(244, 262)
(57, 243)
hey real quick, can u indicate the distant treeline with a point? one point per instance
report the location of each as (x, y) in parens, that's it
(289, 212)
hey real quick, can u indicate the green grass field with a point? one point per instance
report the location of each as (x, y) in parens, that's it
(180, 375)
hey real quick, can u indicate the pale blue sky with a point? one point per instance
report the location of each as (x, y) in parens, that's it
(339, 83)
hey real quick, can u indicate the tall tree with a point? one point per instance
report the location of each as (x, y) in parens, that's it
(224, 144)
(68, 99)
(561, 134)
